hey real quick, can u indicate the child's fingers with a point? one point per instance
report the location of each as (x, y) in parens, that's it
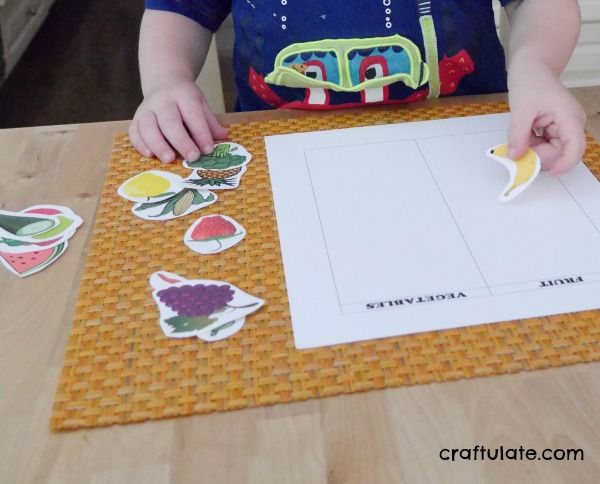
(171, 124)
(548, 150)
(195, 119)
(154, 139)
(136, 139)
(216, 128)
(519, 132)
(572, 137)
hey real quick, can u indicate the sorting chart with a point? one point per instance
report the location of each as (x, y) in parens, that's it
(397, 229)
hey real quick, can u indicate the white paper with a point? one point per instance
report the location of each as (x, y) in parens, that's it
(397, 229)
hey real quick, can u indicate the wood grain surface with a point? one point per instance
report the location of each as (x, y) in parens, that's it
(389, 436)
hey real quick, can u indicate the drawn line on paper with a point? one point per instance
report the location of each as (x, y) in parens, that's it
(401, 140)
(580, 207)
(312, 187)
(452, 215)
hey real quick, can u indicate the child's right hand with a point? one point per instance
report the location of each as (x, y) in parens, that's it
(175, 116)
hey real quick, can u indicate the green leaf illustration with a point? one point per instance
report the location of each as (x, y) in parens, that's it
(199, 198)
(218, 329)
(213, 182)
(217, 237)
(211, 162)
(222, 150)
(183, 324)
(162, 195)
(168, 207)
(13, 243)
(147, 205)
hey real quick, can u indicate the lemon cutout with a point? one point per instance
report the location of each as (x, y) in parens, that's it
(149, 184)
(522, 171)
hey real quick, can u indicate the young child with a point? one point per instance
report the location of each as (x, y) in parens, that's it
(342, 53)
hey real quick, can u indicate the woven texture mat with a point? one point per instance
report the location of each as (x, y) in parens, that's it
(120, 368)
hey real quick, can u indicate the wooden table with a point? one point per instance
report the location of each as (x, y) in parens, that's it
(389, 436)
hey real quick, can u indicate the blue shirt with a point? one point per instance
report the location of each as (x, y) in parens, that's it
(329, 54)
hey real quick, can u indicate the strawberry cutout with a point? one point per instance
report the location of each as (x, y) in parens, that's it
(213, 234)
(213, 228)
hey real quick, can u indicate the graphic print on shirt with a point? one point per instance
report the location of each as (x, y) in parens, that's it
(367, 66)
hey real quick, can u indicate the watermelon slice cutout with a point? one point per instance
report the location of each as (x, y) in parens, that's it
(28, 263)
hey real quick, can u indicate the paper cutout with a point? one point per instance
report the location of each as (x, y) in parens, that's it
(213, 234)
(222, 169)
(202, 308)
(177, 205)
(18, 247)
(48, 229)
(47, 226)
(160, 195)
(28, 263)
(522, 171)
(25, 226)
(150, 185)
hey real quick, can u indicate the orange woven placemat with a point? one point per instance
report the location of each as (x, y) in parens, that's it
(120, 368)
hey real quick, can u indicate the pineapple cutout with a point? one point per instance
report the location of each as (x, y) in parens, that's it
(221, 170)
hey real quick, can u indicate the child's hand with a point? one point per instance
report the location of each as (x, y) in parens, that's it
(175, 116)
(538, 101)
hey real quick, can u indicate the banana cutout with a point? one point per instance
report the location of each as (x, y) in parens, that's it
(522, 171)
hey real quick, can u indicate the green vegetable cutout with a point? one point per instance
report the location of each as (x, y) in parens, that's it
(34, 238)
(222, 158)
(63, 224)
(222, 169)
(24, 225)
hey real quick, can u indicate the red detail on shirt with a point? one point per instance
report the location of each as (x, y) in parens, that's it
(374, 61)
(415, 96)
(453, 69)
(317, 96)
(262, 89)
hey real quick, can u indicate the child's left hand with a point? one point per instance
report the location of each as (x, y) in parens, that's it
(540, 102)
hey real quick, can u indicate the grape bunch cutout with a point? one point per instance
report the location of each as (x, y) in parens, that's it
(209, 310)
